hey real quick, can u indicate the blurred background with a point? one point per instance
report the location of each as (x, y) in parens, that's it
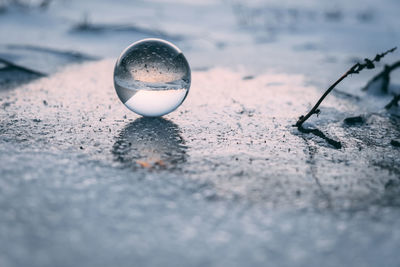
(235, 183)
(284, 35)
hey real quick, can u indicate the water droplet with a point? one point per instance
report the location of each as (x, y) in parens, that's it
(153, 85)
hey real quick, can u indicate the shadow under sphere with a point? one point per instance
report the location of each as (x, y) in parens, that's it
(150, 143)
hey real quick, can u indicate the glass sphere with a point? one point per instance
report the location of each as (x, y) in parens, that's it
(152, 77)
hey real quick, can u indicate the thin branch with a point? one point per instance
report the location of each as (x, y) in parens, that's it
(355, 69)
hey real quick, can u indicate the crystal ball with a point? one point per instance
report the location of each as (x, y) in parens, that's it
(152, 77)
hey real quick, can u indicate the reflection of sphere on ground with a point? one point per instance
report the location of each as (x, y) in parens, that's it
(150, 143)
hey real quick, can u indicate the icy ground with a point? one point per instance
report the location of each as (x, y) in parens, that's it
(225, 180)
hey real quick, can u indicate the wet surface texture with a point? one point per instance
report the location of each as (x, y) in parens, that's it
(225, 180)
(150, 143)
(220, 175)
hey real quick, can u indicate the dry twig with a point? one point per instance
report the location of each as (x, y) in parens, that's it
(355, 69)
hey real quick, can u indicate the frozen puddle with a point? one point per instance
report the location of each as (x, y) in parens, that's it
(222, 181)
